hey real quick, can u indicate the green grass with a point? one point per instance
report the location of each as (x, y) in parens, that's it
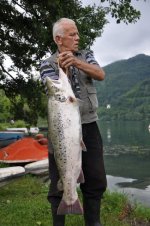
(23, 202)
(3, 165)
(118, 211)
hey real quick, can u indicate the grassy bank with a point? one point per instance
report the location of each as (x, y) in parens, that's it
(23, 203)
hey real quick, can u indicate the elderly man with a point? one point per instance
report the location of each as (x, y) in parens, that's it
(82, 69)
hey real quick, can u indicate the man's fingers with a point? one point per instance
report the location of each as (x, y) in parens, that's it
(65, 55)
(67, 62)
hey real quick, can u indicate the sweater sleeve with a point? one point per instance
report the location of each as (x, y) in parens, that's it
(47, 70)
(89, 56)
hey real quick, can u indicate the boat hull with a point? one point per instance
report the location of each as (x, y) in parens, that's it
(24, 150)
(8, 137)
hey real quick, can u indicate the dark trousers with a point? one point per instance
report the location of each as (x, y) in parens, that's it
(92, 165)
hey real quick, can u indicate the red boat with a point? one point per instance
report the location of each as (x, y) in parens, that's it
(24, 150)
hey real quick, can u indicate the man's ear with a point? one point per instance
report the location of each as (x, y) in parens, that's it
(58, 40)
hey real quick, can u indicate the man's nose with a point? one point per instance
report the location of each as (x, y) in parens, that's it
(77, 37)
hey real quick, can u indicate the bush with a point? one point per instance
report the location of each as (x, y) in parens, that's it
(17, 124)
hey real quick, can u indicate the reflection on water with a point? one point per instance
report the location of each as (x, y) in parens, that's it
(125, 133)
(129, 166)
(136, 195)
(113, 182)
(126, 156)
(108, 135)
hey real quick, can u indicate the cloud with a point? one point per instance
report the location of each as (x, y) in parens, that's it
(121, 41)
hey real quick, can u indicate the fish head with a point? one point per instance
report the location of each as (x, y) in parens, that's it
(54, 86)
(56, 89)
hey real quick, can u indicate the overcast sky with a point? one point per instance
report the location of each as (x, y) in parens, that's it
(121, 41)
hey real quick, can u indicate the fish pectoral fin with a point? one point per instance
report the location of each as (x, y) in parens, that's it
(72, 99)
(60, 185)
(83, 146)
(50, 147)
(75, 208)
(81, 177)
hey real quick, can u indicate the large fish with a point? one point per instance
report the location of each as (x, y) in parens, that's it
(65, 134)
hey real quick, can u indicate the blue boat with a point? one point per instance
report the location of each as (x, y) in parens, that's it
(8, 137)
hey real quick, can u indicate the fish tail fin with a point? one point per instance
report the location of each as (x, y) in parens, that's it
(75, 208)
(81, 177)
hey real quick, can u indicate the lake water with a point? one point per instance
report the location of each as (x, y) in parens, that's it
(127, 158)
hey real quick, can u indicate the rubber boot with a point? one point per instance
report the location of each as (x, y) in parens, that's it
(58, 220)
(92, 212)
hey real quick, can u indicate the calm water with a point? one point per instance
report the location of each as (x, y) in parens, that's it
(127, 158)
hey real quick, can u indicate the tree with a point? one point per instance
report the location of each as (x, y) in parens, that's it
(4, 107)
(28, 104)
(123, 10)
(25, 37)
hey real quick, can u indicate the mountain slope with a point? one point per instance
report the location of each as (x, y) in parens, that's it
(126, 88)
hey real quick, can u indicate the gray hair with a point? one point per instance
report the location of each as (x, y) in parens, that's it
(58, 29)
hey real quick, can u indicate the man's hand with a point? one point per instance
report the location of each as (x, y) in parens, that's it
(66, 59)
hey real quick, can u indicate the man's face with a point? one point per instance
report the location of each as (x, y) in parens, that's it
(70, 39)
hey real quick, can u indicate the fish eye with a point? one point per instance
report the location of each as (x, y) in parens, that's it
(60, 98)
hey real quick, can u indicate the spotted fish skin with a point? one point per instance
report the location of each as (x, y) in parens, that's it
(65, 134)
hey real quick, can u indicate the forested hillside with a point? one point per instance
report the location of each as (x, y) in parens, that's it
(126, 90)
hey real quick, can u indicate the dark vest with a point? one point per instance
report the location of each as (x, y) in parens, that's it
(88, 95)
